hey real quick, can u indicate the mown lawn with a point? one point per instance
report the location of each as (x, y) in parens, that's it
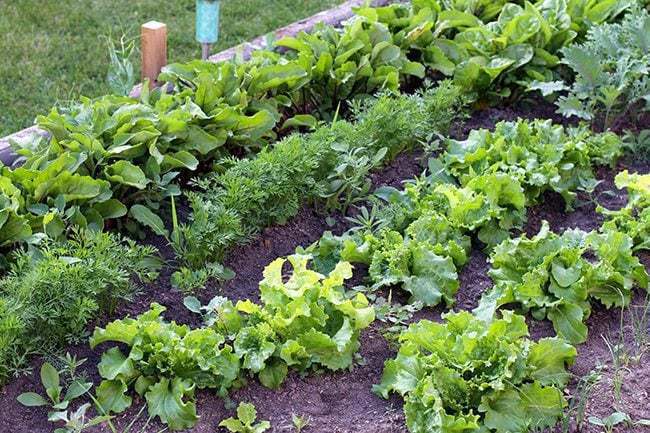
(54, 50)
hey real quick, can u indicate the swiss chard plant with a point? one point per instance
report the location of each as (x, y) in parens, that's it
(492, 48)
(558, 277)
(468, 375)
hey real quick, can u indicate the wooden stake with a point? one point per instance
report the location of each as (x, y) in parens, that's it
(154, 49)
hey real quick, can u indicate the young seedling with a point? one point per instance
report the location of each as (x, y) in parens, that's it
(299, 422)
(54, 396)
(59, 402)
(578, 402)
(608, 423)
(640, 319)
(245, 421)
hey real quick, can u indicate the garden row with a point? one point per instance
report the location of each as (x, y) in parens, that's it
(114, 161)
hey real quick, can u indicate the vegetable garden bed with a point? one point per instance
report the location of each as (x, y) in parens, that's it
(488, 221)
(342, 402)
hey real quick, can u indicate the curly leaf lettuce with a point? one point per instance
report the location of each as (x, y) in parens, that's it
(467, 375)
(558, 276)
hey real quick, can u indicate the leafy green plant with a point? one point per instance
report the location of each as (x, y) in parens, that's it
(349, 182)
(542, 156)
(609, 422)
(299, 422)
(74, 421)
(551, 276)
(51, 294)
(637, 144)
(469, 375)
(634, 218)
(245, 421)
(423, 235)
(304, 321)
(492, 49)
(58, 401)
(165, 363)
(611, 73)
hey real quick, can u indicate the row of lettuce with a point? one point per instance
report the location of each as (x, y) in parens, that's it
(493, 377)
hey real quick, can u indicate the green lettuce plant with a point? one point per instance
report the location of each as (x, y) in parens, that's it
(540, 155)
(165, 363)
(245, 421)
(302, 322)
(634, 218)
(559, 276)
(467, 375)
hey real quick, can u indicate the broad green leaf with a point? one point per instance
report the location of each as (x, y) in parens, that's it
(49, 376)
(31, 399)
(125, 173)
(115, 365)
(273, 375)
(146, 217)
(111, 397)
(568, 322)
(165, 400)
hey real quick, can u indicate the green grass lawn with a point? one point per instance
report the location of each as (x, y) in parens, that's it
(53, 50)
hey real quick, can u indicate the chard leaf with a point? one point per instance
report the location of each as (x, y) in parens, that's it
(125, 173)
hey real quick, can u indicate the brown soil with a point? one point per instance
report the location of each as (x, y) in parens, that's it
(343, 401)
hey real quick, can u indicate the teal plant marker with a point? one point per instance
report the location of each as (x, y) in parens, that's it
(207, 24)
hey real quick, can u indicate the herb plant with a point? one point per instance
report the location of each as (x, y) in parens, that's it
(51, 294)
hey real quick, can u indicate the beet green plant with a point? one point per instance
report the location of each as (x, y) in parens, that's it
(493, 49)
(469, 375)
